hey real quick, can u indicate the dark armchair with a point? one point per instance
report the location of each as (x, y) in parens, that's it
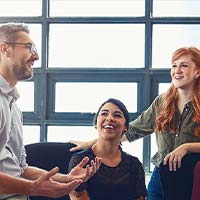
(48, 155)
(179, 184)
(196, 182)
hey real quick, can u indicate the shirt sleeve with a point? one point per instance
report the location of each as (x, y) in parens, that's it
(24, 164)
(145, 124)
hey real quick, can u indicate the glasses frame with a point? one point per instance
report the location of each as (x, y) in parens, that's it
(29, 45)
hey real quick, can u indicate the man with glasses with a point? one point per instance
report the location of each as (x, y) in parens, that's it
(17, 180)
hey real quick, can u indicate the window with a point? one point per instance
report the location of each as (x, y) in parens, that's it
(97, 8)
(26, 100)
(178, 34)
(93, 50)
(89, 93)
(176, 8)
(31, 134)
(96, 45)
(20, 8)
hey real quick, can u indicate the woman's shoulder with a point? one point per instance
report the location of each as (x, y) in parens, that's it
(132, 164)
(159, 99)
(128, 157)
(78, 156)
(81, 154)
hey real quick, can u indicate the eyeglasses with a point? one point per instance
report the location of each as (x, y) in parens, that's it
(28, 45)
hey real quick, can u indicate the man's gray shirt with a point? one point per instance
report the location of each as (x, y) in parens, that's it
(12, 152)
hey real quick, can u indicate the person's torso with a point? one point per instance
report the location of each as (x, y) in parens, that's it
(119, 182)
(11, 138)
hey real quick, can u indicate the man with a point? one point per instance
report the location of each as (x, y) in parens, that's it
(17, 180)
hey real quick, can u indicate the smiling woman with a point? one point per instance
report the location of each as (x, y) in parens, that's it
(184, 70)
(120, 176)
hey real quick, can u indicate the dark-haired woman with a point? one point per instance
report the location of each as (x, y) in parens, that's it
(120, 176)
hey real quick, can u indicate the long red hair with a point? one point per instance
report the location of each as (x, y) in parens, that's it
(164, 121)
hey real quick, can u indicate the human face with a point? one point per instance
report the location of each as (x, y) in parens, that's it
(110, 121)
(21, 57)
(184, 72)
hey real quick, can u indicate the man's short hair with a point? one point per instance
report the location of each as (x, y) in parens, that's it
(8, 31)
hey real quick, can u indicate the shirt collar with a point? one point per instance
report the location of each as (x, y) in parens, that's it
(6, 89)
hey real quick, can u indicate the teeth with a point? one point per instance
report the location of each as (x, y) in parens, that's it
(178, 77)
(108, 126)
(30, 63)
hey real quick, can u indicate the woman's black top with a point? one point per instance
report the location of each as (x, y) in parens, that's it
(126, 181)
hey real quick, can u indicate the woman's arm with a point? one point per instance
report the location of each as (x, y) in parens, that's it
(83, 195)
(85, 145)
(82, 145)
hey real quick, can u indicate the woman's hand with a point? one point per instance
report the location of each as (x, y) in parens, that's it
(174, 158)
(81, 145)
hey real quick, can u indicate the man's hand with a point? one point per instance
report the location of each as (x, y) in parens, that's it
(45, 186)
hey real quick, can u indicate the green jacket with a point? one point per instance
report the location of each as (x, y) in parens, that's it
(167, 141)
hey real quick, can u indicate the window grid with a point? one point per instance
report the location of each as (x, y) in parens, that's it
(147, 88)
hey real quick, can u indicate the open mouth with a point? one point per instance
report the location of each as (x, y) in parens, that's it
(108, 126)
(178, 77)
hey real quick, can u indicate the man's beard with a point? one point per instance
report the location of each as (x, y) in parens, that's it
(23, 74)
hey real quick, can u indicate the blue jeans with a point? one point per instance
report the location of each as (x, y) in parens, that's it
(154, 189)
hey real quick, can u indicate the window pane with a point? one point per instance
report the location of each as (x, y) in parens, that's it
(86, 97)
(134, 148)
(20, 8)
(86, 133)
(179, 36)
(31, 134)
(97, 8)
(176, 8)
(66, 133)
(36, 36)
(26, 99)
(96, 45)
(162, 88)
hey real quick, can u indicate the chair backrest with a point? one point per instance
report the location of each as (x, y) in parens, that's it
(178, 184)
(48, 155)
(196, 182)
